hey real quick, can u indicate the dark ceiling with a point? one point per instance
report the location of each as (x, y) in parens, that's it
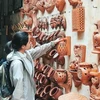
(8, 7)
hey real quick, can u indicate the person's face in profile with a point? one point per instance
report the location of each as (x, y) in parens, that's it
(28, 45)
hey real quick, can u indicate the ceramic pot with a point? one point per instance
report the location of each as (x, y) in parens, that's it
(64, 24)
(52, 53)
(46, 69)
(40, 6)
(61, 61)
(49, 8)
(77, 81)
(61, 76)
(39, 67)
(55, 92)
(62, 48)
(44, 96)
(47, 89)
(60, 4)
(74, 3)
(39, 91)
(39, 76)
(44, 81)
(84, 73)
(28, 22)
(51, 73)
(36, 74)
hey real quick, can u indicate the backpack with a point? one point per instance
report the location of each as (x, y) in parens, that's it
(6, 86)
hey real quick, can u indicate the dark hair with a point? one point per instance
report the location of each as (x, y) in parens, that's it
(8, 47)
(20, 38)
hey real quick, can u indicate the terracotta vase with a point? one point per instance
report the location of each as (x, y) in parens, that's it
(55, 92)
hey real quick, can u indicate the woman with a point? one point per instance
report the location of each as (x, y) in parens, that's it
(22, 76)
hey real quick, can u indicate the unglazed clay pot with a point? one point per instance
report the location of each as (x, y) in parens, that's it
(61, 76)
(95, 89)
(84, 73)
(52, 53)
(60, 4)
(61, 61)
(49, 5)
(39, 76)
(36, 74)
(44, 81)
(39, 91)
(47, 89)
(96, 42)
(28, 21)
(76, 80)
(55, 92)
(51, 73)
(64, 24)
(74, 3)
(44, 96)
(40, 5)
(62, 48)
(39, 67)
(49, 8)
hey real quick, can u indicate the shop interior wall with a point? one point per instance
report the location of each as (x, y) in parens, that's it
(92, 15)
